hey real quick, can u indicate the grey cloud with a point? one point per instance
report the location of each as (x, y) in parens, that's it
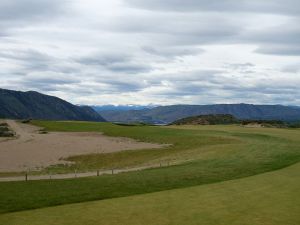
(279, 40)
(190, 83)
(244, 68)
(129, 68)
(32, 60)
(185, 77)
(266, 6)
(143, 49)
(288, 50)
(48, 82)
(188, 29)
(115, 62)
(293, 68)
(287, 33)
(52, 80)
(242, 92)
(240, 65)
(174, 31)
(103, 59)
(2, 32)
(16, 14)
(28, 54)
(122, 86)
(172, 52)
(29, 9)
(117, 83)
(219, 85)
(261, 89)
(211, 76)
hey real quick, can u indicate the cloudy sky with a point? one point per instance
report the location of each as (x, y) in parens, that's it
(153, 51)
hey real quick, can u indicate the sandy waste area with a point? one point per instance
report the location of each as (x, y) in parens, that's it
(32, 150)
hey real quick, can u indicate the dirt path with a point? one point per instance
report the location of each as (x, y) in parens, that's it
(75, 174)
(32, 150)
(24, 132)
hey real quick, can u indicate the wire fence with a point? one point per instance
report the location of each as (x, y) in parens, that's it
(77, 174)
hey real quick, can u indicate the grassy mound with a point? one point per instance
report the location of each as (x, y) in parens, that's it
(210, 119)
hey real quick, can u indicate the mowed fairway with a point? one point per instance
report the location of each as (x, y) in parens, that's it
(190, 192)
(267, 199)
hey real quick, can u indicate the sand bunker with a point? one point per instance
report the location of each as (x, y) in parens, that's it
(31, 150)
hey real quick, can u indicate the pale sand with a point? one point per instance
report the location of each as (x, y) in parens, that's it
(31, 150)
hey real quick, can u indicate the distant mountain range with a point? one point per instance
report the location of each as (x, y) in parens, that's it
(34, 105)
(168, 114)
(102, 108)
(297, 107)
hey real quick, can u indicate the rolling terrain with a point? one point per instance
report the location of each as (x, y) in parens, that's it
(213, 169)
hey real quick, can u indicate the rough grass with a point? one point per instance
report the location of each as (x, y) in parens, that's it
(220, 153)
(181, 143)
(185, 145)
(265, 199)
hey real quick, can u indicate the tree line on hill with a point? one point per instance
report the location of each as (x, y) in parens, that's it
(225, 119)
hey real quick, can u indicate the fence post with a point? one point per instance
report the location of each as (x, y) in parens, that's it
(112, 171)
(97, 173)
(75, 173)
(26, 176)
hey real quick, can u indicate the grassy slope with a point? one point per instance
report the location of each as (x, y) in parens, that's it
(266, 199)
(244, 152)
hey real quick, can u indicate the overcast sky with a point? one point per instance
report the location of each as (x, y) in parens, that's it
(153, 51)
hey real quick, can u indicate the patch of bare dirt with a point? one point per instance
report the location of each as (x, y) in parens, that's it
(253, 125)
(31, 150)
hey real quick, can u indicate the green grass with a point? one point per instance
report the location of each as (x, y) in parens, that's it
(212, 154)
(186, 145)
(265, 199)
(183, 145)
